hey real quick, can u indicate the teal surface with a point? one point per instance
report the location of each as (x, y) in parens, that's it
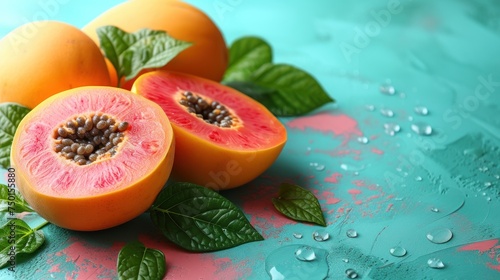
(393, 190)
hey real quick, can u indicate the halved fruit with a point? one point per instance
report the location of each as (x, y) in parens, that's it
(92, 158)
(224, 138)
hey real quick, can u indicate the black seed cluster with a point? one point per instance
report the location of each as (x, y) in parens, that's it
(213, 112)
(86, 138)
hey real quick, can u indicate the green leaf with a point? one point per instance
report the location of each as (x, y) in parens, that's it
(299, 204)
(138, 262)
(290, 91)
(12, 202)
(246, 55)
(199, 219)
(11, 115)
(26, 240)
(132, 52)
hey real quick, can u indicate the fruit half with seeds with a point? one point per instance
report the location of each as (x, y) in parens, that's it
(92, 158)
(224, 138)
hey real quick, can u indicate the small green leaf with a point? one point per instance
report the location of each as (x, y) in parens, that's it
(11, 115)
(246, 55)
(132, 52)
(26, 240)
(199, 219)
(290, 91)
(138, 262)
(11, 201)
(299, 204)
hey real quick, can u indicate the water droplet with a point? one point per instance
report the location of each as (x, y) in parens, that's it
(387, 113)
(349, 167)
(488, 198)
(398, 251)
(351, 233)
(351, 273)
(483, 169)
(440, 235)
(421, 128)
(308, 149)
(275, 274)
(435, 263)
(434, 209)
(345, 260)
(410, 118)
(305, 253)
(421, 110)
(363, 140)
(418, 178)
(297, 235)
(391, 128)
(387, 89)
(497, 176)
(317, 166)
(283, 263)
(321, 236)
(370, 108)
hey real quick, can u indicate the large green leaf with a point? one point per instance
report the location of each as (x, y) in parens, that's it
(199, 219)
(18, 237)
(299, 204)
(289, 91)
(11, 115)
(246, 55)
(12, 202)
(135, 262)
(131, 52)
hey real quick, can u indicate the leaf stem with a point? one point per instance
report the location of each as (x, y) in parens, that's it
(41, 225)
(119, 81)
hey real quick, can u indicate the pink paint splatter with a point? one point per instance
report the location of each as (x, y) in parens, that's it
(55, 268)
(187, 265)
(355, 193)
(334, 178)
(389, 207)
(377, 151)
(90, 261)
(262, 213)
(339, 125)
(330, 197)
(482, 247)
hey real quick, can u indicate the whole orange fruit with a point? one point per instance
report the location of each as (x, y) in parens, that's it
(207, 57)
(42, 58)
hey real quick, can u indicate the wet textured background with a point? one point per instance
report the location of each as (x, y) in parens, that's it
(399, 70)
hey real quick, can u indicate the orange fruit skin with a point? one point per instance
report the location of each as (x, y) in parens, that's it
(42, 58)
(207, 57)
(217, 167)
(94, 212)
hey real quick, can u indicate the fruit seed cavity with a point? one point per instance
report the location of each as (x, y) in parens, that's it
(85, 139)
(211, 112)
